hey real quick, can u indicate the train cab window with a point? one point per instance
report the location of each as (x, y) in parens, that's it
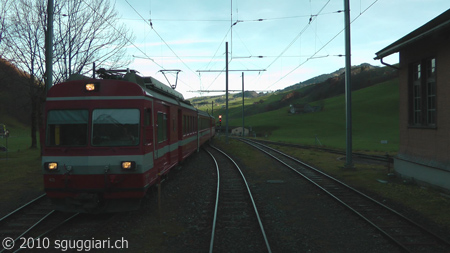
(115, 127)
(67, 127)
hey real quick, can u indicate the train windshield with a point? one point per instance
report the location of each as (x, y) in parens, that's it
(115, 127)
(67, 127)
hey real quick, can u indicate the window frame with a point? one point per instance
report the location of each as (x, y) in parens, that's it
(422, 95)
(49, 131)
(161, 132)
(136, 139)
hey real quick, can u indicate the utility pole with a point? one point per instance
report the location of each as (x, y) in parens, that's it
(49, 47)
(348, 87)
(243, 125)
(226, 86)
(226, 91)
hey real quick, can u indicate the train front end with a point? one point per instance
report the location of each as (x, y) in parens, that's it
(96, 155)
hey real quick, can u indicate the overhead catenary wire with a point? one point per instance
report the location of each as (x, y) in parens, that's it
(312, 18)
(151, 25)
(313, 56)
(140, 50)
(240, 20)
(214, 58)
(111, 25)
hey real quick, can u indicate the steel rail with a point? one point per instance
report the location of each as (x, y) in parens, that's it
(32, 226)
(380, 158)
(400, 244)
(52, 229)
(211, 245)
(251, 198)
(22, 207)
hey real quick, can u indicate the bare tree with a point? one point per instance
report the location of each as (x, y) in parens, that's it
(24, 42)
(4, 7)
(88, 32)
(85, 32)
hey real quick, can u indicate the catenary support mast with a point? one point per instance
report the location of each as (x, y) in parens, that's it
(348, 87)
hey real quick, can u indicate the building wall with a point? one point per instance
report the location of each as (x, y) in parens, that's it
(429, 147)
(238, 131)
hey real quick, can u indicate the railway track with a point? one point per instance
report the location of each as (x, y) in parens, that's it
(375, 158)
(237, 226)
(33, 220)
(403, 232)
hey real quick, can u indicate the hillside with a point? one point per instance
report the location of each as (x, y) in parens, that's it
(325, 77)
(363, 76)
(375, 111)
(14, 94)
(375, 118)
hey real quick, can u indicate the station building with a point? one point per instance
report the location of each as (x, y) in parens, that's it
(424, 76)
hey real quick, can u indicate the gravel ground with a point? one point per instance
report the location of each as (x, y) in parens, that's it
(297, 217)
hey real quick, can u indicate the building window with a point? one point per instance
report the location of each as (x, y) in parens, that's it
(423, 94)
(431, 91)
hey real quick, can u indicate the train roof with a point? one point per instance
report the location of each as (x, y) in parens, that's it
(149, 85)
(145, 85)
(146, 82)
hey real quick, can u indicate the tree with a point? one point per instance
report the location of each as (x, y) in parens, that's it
(86, 32)
(4, 6)
(23, 45)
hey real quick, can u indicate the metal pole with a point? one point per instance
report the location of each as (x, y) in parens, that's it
(49, 47)
(212, 108)
(7, 150)
(348, 87)
(243, 125)
(226, 92)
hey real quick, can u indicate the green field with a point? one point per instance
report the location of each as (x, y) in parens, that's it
(375, 118)
(20, 170)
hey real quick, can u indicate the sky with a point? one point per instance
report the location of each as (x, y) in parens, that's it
(275, 43)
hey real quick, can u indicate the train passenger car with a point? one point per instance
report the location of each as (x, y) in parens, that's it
(108, 140)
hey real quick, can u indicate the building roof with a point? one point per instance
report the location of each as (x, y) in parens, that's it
(435, 25)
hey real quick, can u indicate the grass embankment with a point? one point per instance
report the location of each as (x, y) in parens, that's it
(20, 170)
(428, 202)
(374, 117)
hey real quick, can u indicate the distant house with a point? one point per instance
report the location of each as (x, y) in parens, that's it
(238, 131)
(303, 108)
(424, 75)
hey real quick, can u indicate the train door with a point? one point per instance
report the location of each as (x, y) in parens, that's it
(162, 147)
(173, 136)
(148, 130)
(180, 135)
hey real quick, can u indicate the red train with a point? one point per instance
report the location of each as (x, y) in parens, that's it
(108, 140)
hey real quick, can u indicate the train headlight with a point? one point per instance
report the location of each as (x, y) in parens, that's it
(92, 87)
(128, 165)
(52, 166)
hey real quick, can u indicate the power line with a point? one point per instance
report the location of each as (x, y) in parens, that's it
(313, 56)
(312, 18)
(111, 25)
(240, 20)
(151, 25)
